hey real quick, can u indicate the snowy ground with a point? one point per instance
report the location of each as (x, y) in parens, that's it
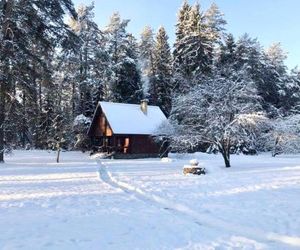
(148, 204)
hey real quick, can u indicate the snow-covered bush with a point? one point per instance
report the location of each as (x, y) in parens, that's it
(163, 135)
(251, 128)
(80, 127)
(222, 111)
(81, 124)
(285, 136)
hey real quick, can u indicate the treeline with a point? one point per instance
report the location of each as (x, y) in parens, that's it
(54, 73)
(231, 95)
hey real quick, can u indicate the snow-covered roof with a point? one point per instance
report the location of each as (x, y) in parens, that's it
(130, 119)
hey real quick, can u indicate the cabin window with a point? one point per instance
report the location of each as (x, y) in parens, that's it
(108, 131)
(105, 128)
(126, 145)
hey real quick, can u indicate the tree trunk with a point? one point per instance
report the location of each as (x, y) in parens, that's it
(275, 152)
(34, 105)
(58, 155)
(24, 121)
(73, 99)
(226, 160)
(225, 151)
(2, 118)
(5, 52)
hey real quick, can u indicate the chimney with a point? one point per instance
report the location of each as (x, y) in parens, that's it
(144, 106)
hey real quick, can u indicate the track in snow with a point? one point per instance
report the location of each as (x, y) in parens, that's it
(139, 194)
(201, 219)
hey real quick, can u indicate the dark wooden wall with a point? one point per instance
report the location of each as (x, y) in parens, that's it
(143, 144)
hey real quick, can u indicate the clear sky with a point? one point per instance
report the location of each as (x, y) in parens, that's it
(268, 20)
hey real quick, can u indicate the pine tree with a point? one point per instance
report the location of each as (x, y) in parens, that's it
(249, 54)
(124, 76)
(85, 56)
(248, 51)
(192, 54)
(161, 89)
(214, 25)
(227, 52)
(294, 79)
(285, 85)
(22, 24)
(182, 21)
(197, 52)
(269, 84)
(178, 55)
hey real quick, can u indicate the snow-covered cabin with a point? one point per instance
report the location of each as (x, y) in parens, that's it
(126, 129)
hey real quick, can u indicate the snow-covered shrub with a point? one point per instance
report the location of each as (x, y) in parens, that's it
(285, 136)
(81, 124)
(251, 128)
(80, 127)
(162, 136)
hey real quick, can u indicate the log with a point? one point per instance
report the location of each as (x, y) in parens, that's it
(193, 170)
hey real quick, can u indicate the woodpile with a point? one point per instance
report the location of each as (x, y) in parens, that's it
(193, 168)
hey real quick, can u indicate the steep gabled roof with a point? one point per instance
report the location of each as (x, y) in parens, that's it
(129, 118)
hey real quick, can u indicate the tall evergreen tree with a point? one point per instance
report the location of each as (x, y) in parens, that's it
(227, 52)
(182, 21)
(249, 54)
(84, 59)
(214, 25)
(196, 51)
(295, 87)
(22, 24)
(285, 84)
(178, 54)
(195, 44)
(124, 76)
(161, 89)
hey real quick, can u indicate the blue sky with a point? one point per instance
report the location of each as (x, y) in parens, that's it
(268, 20)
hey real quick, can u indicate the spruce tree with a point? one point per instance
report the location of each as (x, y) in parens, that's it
(214, 25)
(178, 54)
(182, 21)
(276, 77)
(192, 54)
(227, 52)
(84, 58)
(197, 52)
(124, 77)
(161, 89)
(294, 84)
(23, 24)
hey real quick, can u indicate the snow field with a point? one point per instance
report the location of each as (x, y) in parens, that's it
(256, 199)
(44, 205)
(82, 203)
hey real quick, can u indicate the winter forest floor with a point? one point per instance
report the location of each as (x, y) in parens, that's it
(82, 203)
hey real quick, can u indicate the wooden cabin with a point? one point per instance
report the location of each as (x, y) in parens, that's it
(126, 130)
